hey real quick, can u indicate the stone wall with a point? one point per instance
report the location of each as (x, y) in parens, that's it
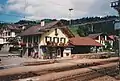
(93, 55)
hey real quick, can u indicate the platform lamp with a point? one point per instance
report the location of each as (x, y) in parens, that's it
(116, 6)
(70, 10)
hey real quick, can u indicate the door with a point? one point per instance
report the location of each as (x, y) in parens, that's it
(62, 49)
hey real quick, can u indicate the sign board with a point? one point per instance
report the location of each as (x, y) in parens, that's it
(117, 25)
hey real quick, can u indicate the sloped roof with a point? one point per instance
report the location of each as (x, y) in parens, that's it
(94, 35)
(34, 30)
(67, 32)
(84, 41)
(112, 37)
(13, 27)
(31, 31)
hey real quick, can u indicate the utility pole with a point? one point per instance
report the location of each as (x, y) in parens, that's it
(116, 6)
(70, 10)
(26, 5)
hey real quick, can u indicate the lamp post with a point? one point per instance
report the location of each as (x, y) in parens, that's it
(116, 6)
(70, 10)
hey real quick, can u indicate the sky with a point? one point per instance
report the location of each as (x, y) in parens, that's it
(14, 10)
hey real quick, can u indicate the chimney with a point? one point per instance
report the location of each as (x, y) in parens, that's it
(23, 27)
(42, 23)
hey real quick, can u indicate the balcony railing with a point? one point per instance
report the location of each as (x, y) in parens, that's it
(49, 43)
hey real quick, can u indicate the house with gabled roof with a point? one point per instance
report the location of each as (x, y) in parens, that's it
(99, 37)
(10, 31)
(47, 39)
(102, 38)
(83, 45)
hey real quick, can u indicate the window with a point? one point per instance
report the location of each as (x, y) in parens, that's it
(47, 38)
(35, 39)
(8, 33)
(63, 40)
(56, 39)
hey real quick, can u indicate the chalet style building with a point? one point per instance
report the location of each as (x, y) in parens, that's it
(9, 31)
(53, 40)
(48, 40)
(103, 38)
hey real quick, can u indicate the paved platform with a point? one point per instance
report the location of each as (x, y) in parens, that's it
(9, 62)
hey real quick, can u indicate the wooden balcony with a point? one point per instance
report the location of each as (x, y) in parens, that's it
(55, 44)
(49, 43)
(61, 44)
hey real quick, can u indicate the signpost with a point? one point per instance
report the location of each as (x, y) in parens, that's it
(70, 10)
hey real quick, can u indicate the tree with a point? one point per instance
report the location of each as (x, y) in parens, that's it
(81, 32)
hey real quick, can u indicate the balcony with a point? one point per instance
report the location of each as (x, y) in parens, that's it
(49, 43)
(61, 44)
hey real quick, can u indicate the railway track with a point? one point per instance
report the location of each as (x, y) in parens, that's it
(84, 74)
(60, 72)
(93, 74)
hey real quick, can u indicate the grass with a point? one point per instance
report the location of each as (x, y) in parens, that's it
(74, 30)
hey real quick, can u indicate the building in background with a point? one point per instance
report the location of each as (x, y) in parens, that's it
(103, 39)
(9, 35)
(84, 45)
(10, 31)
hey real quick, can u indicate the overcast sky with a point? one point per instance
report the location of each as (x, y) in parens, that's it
(40, 9)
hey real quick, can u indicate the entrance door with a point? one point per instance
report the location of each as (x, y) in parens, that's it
(58, 52)
(29, 52)
(62, 49)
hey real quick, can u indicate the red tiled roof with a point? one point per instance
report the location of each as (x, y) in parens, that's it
(112, 37)
(84, 41)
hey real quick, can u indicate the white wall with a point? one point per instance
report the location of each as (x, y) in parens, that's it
(12, 34)
(67, 51)
(1, 41)
(51, 33)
